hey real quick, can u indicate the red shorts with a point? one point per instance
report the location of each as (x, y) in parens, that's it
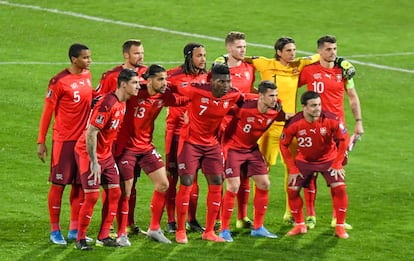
(307, 170)
(131, 162)
(109, 171)
(250, 161)
(192, 156)
(63, 168)
(171, 148)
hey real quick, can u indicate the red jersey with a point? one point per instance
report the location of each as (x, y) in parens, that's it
(107, 115)
(109, 79)
(205, 113)
(142, 110)
(242, 77)
(69, 97)
(329, 84)
(177, 78)
(248, 124)
(316, 141)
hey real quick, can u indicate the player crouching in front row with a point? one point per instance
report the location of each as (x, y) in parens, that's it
(316, 132)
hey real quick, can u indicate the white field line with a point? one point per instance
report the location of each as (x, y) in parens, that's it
(379, 55)
(165, 30)
(93, 62)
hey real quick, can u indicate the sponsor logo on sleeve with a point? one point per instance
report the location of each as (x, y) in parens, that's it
(100, 119)
(49, 93)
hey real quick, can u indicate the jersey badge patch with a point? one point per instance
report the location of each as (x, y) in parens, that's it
(100, 119)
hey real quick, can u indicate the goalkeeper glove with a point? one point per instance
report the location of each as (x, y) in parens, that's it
(348, 70)
(221, 59)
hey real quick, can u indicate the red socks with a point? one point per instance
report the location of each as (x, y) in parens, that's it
(296, 205)
(340, 202)
(85, 214)
(122, 215)
(310, 197)
(113, 195)
(227, 211)
(76, 201)
(157, 207)
(243, 197)
(192, 208)
(170, 197)
(213, 206)
(261, 199)
(54, 200)
(132, 203)
(182, 202)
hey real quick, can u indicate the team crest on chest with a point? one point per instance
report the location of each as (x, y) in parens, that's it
(317, 76)
(322, 130)
(247, 75)
(302, 132)
(339, 77)
(74, 85)
(226, 104)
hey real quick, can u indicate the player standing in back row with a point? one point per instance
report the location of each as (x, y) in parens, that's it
(192, 71)
(69, 98)
(326, 78)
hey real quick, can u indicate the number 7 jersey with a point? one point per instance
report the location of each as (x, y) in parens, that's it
(205, 113)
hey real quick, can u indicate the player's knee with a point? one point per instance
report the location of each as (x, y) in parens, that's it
(186, 180)
(214, 179)
(162, 186)
(263, 185)
(233, 187)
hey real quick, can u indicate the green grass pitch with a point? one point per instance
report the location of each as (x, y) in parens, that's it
(375, 35)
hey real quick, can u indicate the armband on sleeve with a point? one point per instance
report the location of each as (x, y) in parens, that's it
(348, 70)
(249, 59)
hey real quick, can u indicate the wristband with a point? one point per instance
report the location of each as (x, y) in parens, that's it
(358, 119)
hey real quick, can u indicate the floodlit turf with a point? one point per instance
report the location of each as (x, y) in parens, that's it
(377, 37)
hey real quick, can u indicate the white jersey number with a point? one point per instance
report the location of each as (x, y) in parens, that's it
(76, 96)
(139, 112)
(305, 142)
(247, 128)
(318, 87)
(203, 109)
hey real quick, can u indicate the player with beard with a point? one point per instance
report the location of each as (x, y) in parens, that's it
(135, 150)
